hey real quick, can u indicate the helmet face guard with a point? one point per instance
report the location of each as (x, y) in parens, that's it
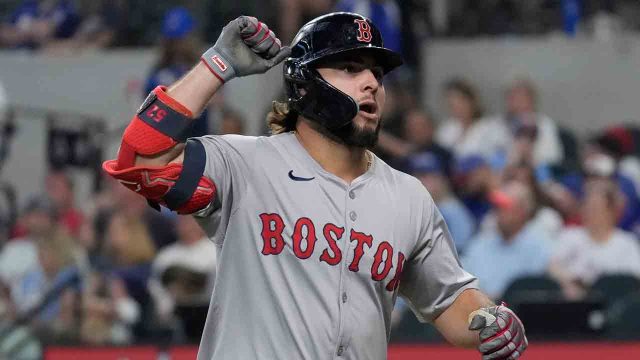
(327, 36)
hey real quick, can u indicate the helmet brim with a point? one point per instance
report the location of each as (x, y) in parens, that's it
(386, 58)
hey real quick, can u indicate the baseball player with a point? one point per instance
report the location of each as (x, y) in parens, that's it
(316, 236)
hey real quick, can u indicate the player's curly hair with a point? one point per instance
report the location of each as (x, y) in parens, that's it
(281, 118)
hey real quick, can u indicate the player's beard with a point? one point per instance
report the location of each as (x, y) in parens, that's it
(350, 134)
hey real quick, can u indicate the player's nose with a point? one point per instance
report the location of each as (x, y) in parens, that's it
(368, 81)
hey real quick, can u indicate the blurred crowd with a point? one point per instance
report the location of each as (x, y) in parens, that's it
(76, 25)
(114, 272)
(72, 25)
(521, 194)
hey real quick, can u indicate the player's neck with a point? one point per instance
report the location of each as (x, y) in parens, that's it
(345, 162)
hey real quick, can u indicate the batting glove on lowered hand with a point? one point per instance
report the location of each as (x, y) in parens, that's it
(246, 46)
(502, 334)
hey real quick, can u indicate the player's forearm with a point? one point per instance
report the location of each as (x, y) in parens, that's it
(453, 324)
(192, 91)
(195, 89)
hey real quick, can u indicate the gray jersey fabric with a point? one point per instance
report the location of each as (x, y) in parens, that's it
(308, 265)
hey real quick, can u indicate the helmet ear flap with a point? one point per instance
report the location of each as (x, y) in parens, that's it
(297, 72)
(297, 76)
(314, 98)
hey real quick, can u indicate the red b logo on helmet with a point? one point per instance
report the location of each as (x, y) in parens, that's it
(364, 30)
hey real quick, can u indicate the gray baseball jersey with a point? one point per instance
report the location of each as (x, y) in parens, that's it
(309, 266)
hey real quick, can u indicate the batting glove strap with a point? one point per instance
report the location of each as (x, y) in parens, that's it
(502, 334)
(219, 66)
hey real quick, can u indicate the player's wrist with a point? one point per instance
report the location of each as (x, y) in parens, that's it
(218, 64)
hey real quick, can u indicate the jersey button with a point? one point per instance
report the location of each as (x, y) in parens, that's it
(344, 297)
(340, 350)
(353, 216)
(352, 194)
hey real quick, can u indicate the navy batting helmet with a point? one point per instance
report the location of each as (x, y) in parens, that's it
(330, 35)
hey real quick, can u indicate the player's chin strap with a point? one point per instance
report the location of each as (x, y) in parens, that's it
(160, 124)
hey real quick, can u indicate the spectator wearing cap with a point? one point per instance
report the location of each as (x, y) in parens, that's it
(514, 248)
(35, 23)
(474, 180)
(179, 49)
(584, 253)
(466, 131)
(619, 143)
(624, 146)
(427, 167)
(599, 160)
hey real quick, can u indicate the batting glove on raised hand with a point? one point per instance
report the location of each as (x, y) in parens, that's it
(246, 46)
(502, 334)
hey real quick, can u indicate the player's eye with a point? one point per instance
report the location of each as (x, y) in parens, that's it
(351, 67)
(378, 73)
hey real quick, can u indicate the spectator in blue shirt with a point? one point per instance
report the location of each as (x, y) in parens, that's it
(514, 248)
(179, 50)
(35, 23)
(428, 168)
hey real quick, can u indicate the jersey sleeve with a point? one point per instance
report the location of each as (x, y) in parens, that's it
(228, 164)
(434, 276)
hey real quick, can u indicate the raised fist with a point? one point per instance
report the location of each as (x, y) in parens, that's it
(246, 46)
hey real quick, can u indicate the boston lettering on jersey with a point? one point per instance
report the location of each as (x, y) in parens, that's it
(303, 247)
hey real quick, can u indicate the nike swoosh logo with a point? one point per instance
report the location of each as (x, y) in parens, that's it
(297, 178)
